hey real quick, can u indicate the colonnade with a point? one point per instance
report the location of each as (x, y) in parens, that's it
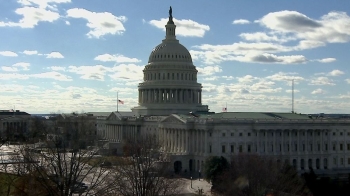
(184, 141)
(301, 141)
(115, 132)
(191, 96)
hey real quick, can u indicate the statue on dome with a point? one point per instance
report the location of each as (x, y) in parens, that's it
(170, 12)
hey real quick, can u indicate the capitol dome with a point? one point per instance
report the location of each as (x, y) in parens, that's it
(170, 51)
(170, 79)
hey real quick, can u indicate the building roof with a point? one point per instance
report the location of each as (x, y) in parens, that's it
(8, 113)
(249, 115)
(100, 113)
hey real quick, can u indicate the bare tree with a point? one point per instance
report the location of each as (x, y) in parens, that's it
(144, 171)
(256, 175)
(61, 165)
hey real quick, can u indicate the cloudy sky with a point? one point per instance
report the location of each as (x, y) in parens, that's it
(75, 55)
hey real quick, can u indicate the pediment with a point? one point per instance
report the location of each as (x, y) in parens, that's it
(173, 120)
(113, 117)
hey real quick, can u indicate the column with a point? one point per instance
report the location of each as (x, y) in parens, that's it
(282, 130)
(205, 142)
(172, 139)
(183, 140)
(176, 96)
(290, 141)
(200, 96)
(266, 141)
(298, 141)
(159, 95)
(274, 149)
(181, 96)
(139, 96)
(186, 141)
(198, 141)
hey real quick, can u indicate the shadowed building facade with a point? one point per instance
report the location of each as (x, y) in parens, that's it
(170, 106)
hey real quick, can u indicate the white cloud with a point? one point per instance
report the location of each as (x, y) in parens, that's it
(52, 75)
(127, 71)
(335, 72)
(42, 3)
(16, 67)
(96, 72)
(67, 22)
(289, 21)
(271, 58)
(13, 76)
(31, 16)
(308, 44)
(347, 80)
(242, 51)
(212, 78)
(332, 27)
(295, 91)
(264, 37)
(286, 77)
(241, 21)
(55, 55)
(186, 28)
(246, 79)
(101, 23)
(321, 81)
(209, 70)
(22, 65)
(228, 77)
(30, 52)
(118, 58)
(9, 69)
(8, 53)
(327, 60)
(123, 90)
(57, 68)
(208, 87)
(318, 91)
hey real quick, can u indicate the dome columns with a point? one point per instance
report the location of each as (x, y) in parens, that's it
(172, 96)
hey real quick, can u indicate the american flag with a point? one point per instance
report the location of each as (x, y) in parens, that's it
(120, 101)
(224, 109)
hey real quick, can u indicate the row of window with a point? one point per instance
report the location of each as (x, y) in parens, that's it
(172, 76)
(280, 134)
(287, 149)
(161, 56)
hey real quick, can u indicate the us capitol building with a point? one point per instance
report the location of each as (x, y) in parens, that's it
(170, 106)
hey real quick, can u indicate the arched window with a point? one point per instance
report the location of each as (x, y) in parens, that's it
(302, 164)
(317, 163)
(295, 163)
(309, 163)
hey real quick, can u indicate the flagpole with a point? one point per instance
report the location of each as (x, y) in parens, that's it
(117, 101)
(226, 107)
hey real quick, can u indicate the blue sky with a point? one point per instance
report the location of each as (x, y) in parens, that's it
(75, 55)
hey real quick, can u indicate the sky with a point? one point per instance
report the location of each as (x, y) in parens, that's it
(78, 55)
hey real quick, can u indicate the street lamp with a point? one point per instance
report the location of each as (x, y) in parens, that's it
(191, 181)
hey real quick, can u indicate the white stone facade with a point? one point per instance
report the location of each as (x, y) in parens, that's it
(170, 105)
